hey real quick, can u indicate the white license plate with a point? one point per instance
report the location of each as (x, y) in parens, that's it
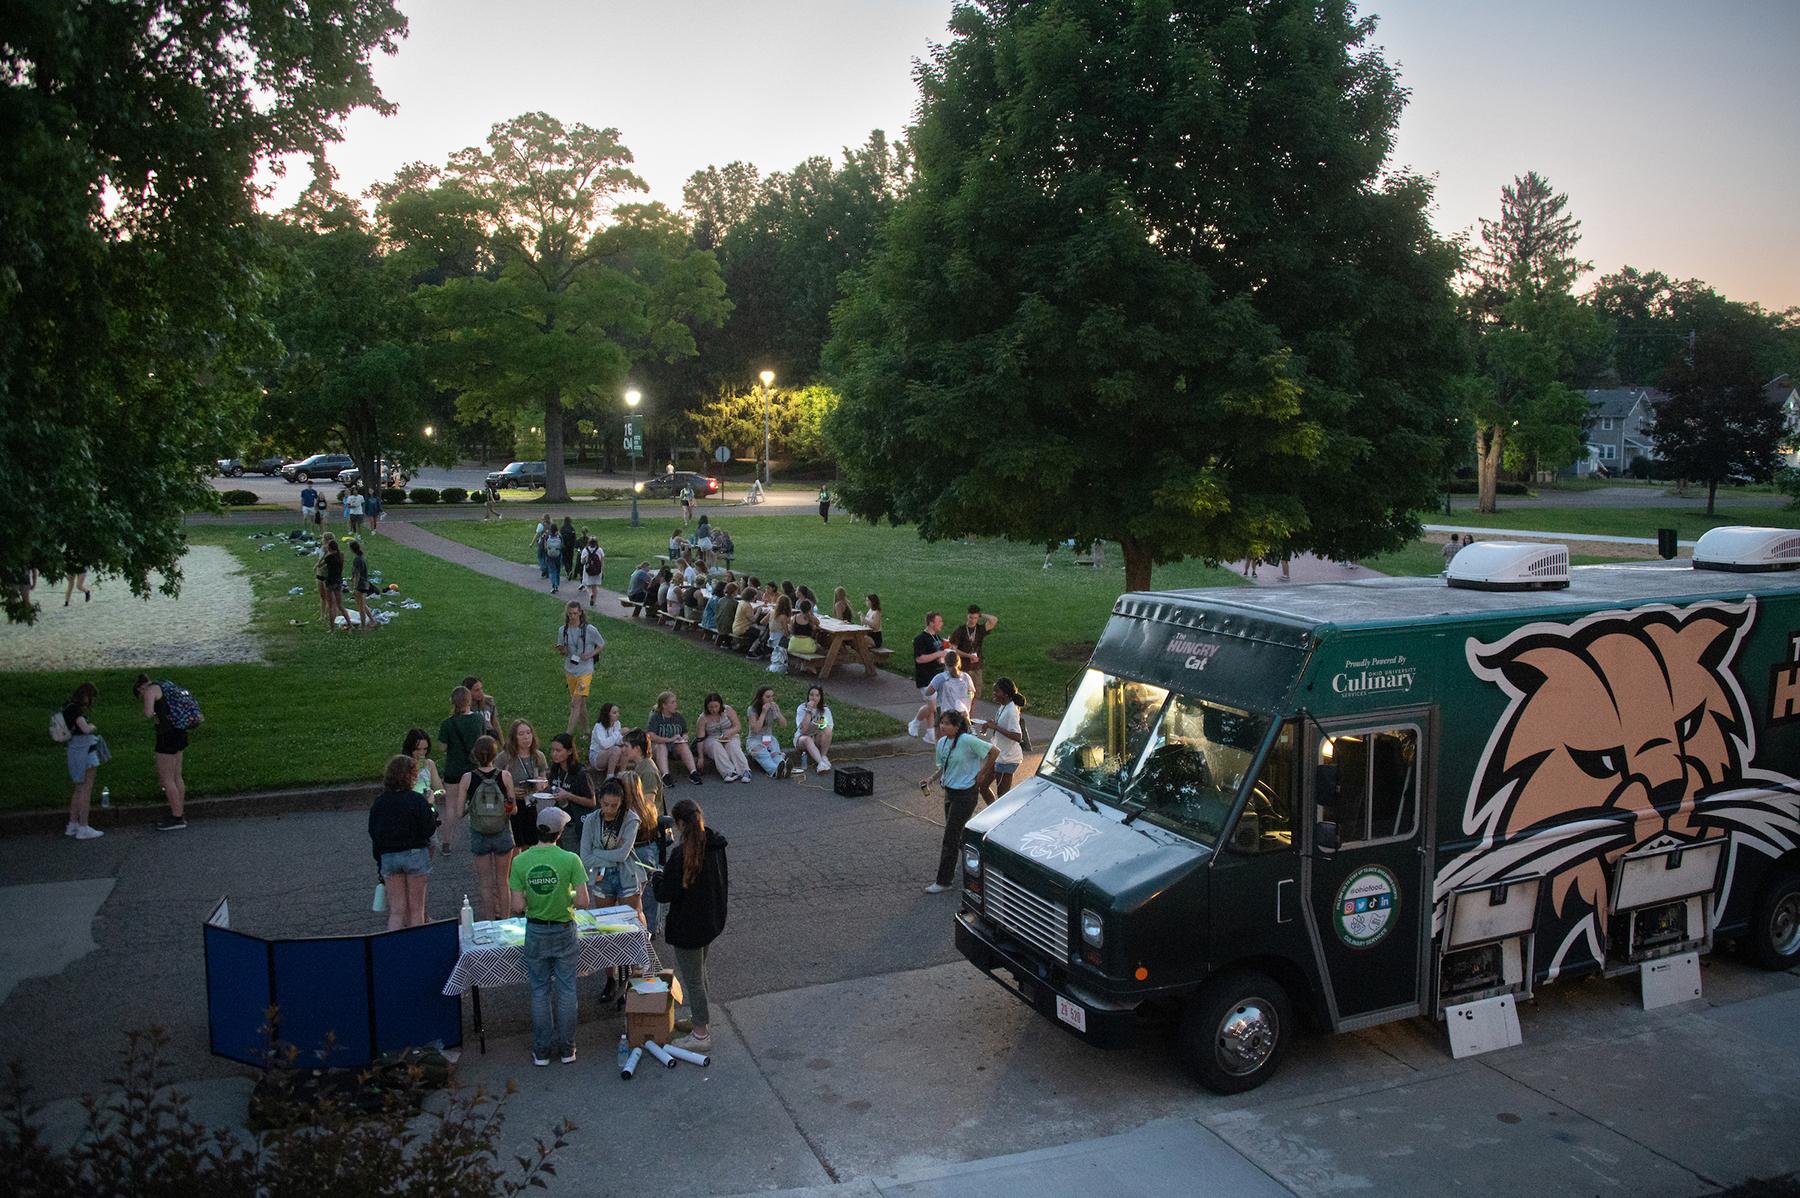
(1071, 1014)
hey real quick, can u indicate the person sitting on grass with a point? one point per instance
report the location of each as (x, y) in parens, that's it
(764, 715)
(812, 729)
(719, 732)
(606, 745)
(667, 730)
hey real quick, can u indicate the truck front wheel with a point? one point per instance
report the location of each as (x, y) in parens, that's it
(1234, 1030)
(1775, 929)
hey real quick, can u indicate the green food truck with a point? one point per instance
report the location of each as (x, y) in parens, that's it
(1343, 804)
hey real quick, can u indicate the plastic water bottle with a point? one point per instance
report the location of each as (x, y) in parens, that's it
(624, 1052)
(106, 796)
(468, 919)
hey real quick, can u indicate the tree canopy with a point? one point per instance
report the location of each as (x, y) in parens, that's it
(130, 249)
(1153, 282)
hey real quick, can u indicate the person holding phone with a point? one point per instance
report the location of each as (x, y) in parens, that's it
(812, 729)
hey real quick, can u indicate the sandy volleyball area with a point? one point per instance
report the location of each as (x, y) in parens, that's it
(208, 624)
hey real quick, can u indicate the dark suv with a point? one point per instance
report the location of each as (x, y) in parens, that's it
(670, 485)
(320, 466)
(528, 475)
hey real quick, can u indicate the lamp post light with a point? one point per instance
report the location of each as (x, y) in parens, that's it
(633, 398)
(768, 381)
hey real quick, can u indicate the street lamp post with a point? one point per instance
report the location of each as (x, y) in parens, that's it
(768, 381)
(633, 397)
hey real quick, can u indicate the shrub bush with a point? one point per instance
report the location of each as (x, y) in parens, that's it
(612, 492)
(235, 498)
(454, 495)
(1468, 486)
(424, 495)
(393, 495)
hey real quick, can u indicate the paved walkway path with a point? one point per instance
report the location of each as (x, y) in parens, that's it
(887, 692)
(1500, 534)
(1304, 568)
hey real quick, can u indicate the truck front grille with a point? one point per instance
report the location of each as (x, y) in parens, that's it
(1034, 919)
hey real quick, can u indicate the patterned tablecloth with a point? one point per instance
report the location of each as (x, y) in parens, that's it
(501, 961)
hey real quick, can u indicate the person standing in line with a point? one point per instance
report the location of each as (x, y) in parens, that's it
(309, 499)
(825, 504)
(637, 760)
(952, 689)
(608, 843)
(969, 638)
(400, 830)
(961, 757)
(458, 735)
(1006, 730)
(492, 805)
(353, 510)
(696, 885)
(764, 713)
(485, 706)
(606, 743)
(872, 618)
(547, 884)
(812, 730)
(522, 760)
(579, 643)
(569, 785)
(360, 587)
(86, 752)
(593, 569)
(171, 743)
(416, 744)
(928, 657)
(637, 764)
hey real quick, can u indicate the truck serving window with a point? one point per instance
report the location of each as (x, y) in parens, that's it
(1179, 759)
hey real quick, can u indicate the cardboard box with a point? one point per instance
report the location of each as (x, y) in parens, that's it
(650, 1008)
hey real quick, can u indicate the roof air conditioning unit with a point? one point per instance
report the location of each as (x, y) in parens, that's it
(1748, 550)
(1509, 566)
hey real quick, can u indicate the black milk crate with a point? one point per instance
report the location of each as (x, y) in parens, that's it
(852, 781)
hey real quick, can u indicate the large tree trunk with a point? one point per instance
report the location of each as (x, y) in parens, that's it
(556, 487)
(1712, 493)
(1137, 564)
(1487, 450)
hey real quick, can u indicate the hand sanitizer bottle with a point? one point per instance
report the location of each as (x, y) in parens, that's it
(468, 919)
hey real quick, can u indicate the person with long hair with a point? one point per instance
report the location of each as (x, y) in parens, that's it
(171, 744)
(667, 729)
(696, 886)
(953, 689)
(764, 713)
(840, 606)
(334, 586)
(609, 836)
(485, 706)
(493, 808)
(320, 569)
(416, 744)
(85, 752)
(812, 729)
(961, 756)
(360, 588)
(458, 735)
(872, 618)
(579, 644)
(522, 760)
(569, 785)
(720, 732)
(1006, 731)
(400, 830)
(780, 623)
(606, 742)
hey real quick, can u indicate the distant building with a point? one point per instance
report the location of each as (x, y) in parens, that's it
(1618, 431)
(1784, 395)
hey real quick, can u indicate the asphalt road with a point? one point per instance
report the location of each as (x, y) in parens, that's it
(470, 478)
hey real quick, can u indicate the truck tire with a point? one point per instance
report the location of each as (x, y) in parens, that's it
(1234, 1030)
(1775, 927)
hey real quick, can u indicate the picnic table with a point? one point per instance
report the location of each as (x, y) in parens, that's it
(837, 637)
(495, 955)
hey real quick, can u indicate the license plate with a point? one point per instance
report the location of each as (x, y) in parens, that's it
(1071, 1014)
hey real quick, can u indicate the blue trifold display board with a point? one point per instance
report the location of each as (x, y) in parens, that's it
(367, 995)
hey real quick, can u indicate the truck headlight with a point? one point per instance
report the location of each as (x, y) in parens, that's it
(1093, 929)
(971, 860)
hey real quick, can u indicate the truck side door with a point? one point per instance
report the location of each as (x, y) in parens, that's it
(1256, 900)
(1366, 901)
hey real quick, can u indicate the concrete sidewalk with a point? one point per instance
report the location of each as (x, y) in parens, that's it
(1501, 534)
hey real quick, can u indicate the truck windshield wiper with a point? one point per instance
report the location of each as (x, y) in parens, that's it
(1134, 812)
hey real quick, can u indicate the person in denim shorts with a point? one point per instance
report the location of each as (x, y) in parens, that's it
(400, 828)
(608, 836)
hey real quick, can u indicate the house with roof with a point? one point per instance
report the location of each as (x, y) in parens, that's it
(1618, 431)
(1782, 392)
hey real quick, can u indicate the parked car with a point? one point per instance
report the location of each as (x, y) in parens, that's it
(268, 467)
(527, 475)
(670, 485)
(319, 466)
(229, 468)
(394, 475)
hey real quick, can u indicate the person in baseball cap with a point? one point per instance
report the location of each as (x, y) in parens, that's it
(547, 884)
(553, 820)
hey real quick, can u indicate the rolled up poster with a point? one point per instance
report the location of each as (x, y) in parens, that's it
(657, 1051)
(692, 1058)
(631, 1064)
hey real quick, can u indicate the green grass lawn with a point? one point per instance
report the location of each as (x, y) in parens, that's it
(333, 707)
(1625, 521)
(1422, 559)
(1049, 619)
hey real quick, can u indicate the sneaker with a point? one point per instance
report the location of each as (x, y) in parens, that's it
(171, 823)
(824, 766)
(695, 778)
(696, 1042)
(84, 832)
(912, 726)
(540, 1062)
(69, 828)
(668, 779)
(569, 1057)
(744, 778)
(936, 888)
(931, 738)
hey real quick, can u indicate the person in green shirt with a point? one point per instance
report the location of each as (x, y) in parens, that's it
(961, 757)
(547, 884)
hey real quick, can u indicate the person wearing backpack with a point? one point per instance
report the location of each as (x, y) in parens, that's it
(553, 554)
(85, 751)
(492, 802)
(175, 713)
(593, 569)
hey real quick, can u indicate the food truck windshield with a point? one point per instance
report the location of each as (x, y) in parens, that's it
(1173, 760)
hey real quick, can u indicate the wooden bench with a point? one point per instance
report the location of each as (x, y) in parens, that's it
(634, 606)
(810, 663)
(881, 654)
(683, 623)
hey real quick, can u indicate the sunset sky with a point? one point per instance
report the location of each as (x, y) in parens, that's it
(1671, 126)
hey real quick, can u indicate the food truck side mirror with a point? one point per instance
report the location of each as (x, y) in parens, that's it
(1325, 837)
